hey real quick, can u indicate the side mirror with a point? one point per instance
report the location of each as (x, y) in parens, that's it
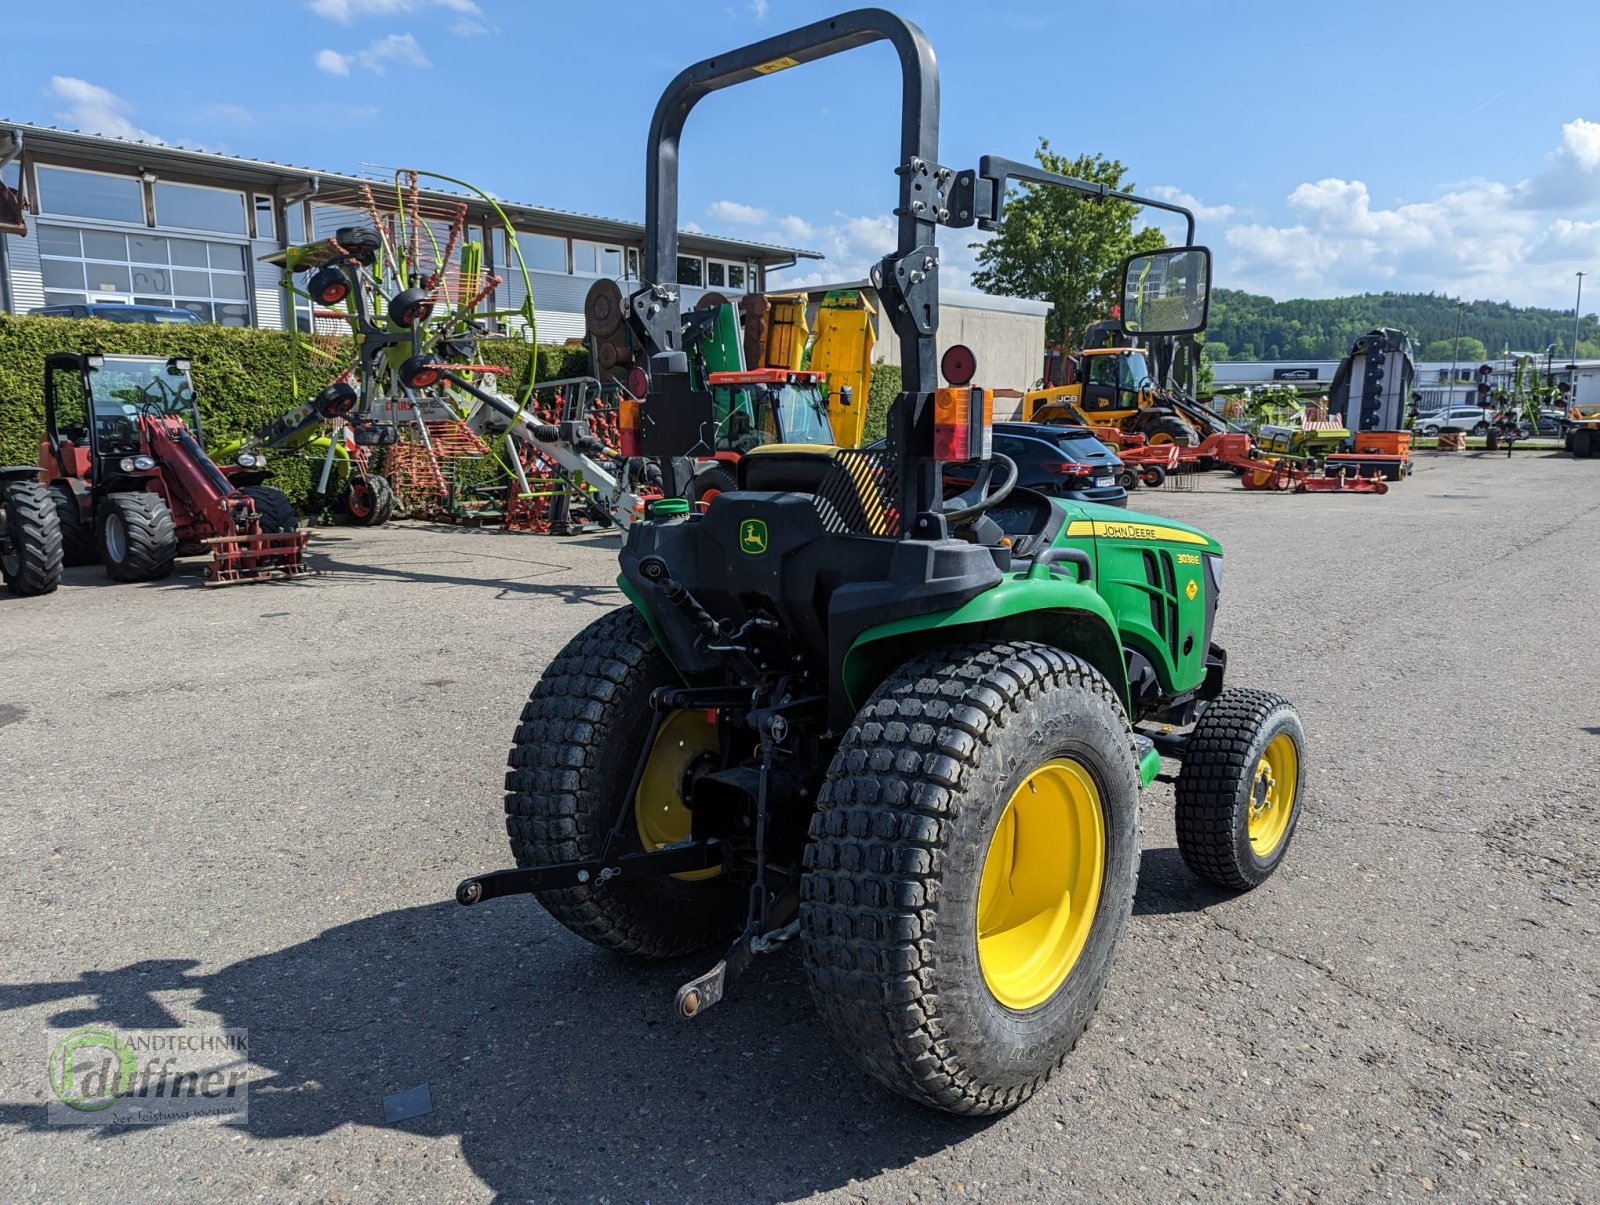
(1166, 292)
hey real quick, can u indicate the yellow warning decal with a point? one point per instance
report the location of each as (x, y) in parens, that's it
(1192, 589)
(1134, 531)
(777, 65)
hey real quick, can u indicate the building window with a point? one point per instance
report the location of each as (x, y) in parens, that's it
(595, 259)
(689, 270)
(190, 207)
(207, 278)
(266, 221)
(724, 274)
(633, 263)
(294, 223)
(79, 194)
(542, 252)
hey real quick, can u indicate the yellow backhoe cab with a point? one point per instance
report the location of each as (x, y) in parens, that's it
(1114, 388)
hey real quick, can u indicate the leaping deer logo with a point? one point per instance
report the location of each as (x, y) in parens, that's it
(753, 536)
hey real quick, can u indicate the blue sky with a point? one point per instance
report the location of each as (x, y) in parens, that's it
(1331, 149)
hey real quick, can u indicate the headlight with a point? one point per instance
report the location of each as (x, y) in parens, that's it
(144, 462)
(126, 464)
(247, 460)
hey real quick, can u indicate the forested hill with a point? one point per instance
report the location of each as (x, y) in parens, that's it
(1251, 327)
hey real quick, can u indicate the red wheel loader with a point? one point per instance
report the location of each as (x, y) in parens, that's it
(134, 489)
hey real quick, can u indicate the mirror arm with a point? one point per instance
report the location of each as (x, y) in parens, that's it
(1001, 171)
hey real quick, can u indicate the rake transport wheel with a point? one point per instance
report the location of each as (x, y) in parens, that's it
(138, 540)
(30, 555)
(1238, 793)
(708, 483)
(370, 501)
(77, 537)
(574, 754)
(1154, 476)
(273, 507)
(1128, 479)
(973, 860)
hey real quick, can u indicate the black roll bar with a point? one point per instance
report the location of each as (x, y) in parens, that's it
(1000, 171)
(656, 306)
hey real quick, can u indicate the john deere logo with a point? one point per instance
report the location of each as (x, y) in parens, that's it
(753, 536)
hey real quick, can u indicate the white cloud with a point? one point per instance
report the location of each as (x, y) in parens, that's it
(759, 8)
(469, 27)
(346, 12)
(398, 48)
(95, 110)
(851, 245)
(1202, 212)
(229, 112)
(734, 212)
(332, 62)
(1518, 240)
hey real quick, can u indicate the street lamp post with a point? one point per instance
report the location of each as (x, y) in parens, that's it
(1577, 312)
(1455, 343)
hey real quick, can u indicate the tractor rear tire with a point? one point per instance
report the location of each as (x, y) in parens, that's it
(573, 757)
(971, 768)
(1170, 429)
(273, 508)
(31, 562)
(77, 537)
(138, 539)
(370, 502)
(718, 479)
(1240, 788)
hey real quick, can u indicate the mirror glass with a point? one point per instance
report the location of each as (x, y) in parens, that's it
(1166, 292)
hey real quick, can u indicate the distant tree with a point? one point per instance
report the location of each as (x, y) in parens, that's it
(1060, 247)
(1469, 349)
(1215, 350)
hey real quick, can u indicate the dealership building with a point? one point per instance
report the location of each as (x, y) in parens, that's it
(123, 222)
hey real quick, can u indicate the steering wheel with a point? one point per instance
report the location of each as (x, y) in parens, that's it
(986, 496)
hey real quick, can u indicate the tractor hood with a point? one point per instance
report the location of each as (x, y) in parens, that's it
(1115, 523)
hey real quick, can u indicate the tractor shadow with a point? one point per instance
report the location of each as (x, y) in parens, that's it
(563, 1070)
(1167, 887)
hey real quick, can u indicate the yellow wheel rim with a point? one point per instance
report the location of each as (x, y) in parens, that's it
(1041, 884)
(1272, 794)
(658, 809)
(1159, 440)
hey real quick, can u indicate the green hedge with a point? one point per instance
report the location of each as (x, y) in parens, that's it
(885, 387)
(245, 377)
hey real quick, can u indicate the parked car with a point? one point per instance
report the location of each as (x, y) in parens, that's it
(1064, 462)
(116, 312)
(1468, 418)
(1553, 424)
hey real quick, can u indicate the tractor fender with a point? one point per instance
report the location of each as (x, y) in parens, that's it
(1056, 611)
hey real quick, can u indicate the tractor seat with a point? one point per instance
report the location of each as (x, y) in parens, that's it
(853, 489)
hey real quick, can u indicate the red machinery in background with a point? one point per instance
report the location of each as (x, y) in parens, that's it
(132, 486)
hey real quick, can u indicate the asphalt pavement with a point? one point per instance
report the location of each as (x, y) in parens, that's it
(249, 808)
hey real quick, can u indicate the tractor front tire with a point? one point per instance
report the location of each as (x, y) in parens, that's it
(573, 757)
(973, 860)
(1239, 791)
(138, 539)
(273, 508)
(370, 502)
(77, 537)
(1170, 429)
(30, 559)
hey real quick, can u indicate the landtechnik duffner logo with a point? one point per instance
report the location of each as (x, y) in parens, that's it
(104, 1075)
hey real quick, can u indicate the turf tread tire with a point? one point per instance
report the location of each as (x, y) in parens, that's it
(718, 477)
(1212, 792)
(152, 536)
(887, 845)
(571, 761)
(35, 536)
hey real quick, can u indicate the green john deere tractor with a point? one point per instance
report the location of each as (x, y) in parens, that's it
(905, 726)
